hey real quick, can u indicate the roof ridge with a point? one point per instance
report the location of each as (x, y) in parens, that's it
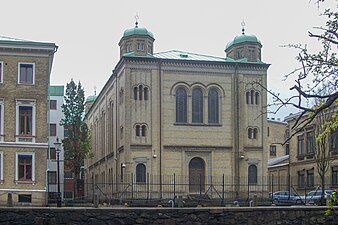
(13, 39)
(192, 53)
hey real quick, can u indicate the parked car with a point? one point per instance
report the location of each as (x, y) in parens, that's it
(284, 197)
(313, 197)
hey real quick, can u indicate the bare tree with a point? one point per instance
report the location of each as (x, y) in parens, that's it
(316, 80)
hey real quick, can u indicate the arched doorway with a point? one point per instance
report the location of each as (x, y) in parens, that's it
(196, 175)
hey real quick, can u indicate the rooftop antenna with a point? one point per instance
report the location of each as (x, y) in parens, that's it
(137, 17)
(95, 90)
(243, 27)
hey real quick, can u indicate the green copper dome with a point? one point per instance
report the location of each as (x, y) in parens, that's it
(137, 31)
(241, 39)
(91, 98)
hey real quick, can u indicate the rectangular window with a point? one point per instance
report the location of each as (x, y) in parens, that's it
(1, 166)
(272, 150)
(25, 167)
(1, 72)
(52, 104)
(310, 178)
(68, 195)
(1, 120)
(300, 145)
(335, 176)
(52, 129)
(25, 120)
(310, 142)
(25, 198)
(334, 141)
(52, 154)
(287, 149)
(68, 174)
(51, 177)
(26, 73)
(301, 179)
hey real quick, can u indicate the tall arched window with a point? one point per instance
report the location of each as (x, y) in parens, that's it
(181, 105)
(140, 92)
(137, 130)
(146, 93)
(144, 130)
(135, 93)
(247, 97)
(213, 106)
(254, 135)
(252, 174)
(197, 106)
(140, 173)
(257, 98)
(252, 95)
(250, 133)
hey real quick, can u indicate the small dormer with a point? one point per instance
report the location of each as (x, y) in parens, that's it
(137, 41)
(244, 47)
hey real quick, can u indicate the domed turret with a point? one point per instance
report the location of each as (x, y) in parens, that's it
(137, 41)
(244, 46)
(89, 102)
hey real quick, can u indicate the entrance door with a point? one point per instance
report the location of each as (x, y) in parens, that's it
(196, 175)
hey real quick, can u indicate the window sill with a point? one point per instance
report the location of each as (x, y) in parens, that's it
(300, 157)
(25, 182)
(199, 124)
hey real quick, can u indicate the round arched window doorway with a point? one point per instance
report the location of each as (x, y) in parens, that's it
(196, 175)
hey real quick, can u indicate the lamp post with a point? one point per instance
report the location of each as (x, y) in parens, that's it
(57, 145)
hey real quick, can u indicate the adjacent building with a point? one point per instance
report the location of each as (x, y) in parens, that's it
(56, 133)
(303, 147)
(25, 68)
(179, 117)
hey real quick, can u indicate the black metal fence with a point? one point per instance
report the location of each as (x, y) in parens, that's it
(218, 190)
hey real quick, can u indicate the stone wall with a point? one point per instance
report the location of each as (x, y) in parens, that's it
(168, 216)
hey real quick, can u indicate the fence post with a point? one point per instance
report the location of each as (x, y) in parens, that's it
(223, 190)
(200, 184)
(132, 186)
(174, 185)
(272, 188)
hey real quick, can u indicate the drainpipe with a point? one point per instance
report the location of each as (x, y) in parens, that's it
(160, 105)
(50, 63)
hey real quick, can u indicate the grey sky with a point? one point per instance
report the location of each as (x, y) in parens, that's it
(88, 32)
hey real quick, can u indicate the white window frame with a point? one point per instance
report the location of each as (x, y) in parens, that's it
(33, 78)
(2, 72)
(1, 167)
(26, 102)
(17, 154)
(1, 120)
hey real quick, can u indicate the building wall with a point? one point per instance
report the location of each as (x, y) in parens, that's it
(276, 137)
(36, 143)
(304, 165)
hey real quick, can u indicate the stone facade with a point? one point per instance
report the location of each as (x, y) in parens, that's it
(168, 216)
(303, 166)
(25, 70)
(139, 137)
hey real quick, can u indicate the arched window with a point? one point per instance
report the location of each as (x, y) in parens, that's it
(250, 133)
(213, 106)
(257, 98)
(247, 97)
(255, 131)
(135, 93)
(137, 130)
(146, 93)
(181, 105)
(140, 173)
(252, 174)
(144, 130)
(197, 106)
(252, 95)
(140, 91)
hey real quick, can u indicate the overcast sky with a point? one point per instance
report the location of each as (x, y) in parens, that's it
(88, 32)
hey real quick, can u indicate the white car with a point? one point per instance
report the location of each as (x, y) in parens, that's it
(313, 197)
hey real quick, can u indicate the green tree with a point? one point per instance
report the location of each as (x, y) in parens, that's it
(77, 143)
